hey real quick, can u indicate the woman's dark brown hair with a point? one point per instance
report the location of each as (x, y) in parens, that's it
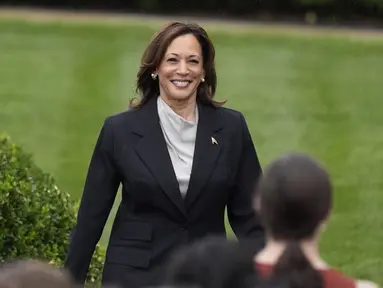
(148, 88)
(295, 198)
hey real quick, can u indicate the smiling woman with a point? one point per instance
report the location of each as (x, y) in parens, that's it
(182, 58)
(181, 157)
(181, 71)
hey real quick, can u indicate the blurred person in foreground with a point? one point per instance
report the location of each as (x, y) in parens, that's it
(181, 158)
(33, 274)
(214, 262)
(294, 200)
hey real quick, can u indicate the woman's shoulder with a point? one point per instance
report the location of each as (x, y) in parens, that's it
(230, 117)
(229, 112)
(336, 278)
(122, 117)
(358, 283)
(332, 277)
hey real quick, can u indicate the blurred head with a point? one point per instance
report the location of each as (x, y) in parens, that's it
(211, 263)
(178, 64)
(31, 273)
(295, 198)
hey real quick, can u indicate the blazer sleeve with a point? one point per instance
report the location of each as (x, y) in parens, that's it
(243, 219)
(99, 193)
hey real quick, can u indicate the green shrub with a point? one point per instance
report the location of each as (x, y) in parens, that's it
(314, 2)
(36, 217)
(378, 3)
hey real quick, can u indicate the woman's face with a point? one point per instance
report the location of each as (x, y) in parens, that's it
(181, 69)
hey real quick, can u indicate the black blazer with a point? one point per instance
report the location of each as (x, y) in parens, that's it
(153, 218)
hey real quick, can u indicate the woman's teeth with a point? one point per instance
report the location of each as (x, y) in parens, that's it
(181, 83)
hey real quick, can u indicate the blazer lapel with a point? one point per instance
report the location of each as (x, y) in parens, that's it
(206, 152)
(154, 153)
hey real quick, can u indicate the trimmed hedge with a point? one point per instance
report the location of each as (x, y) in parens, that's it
(36, 217)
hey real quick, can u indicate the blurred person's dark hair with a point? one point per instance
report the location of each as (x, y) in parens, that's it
(148, 88)
(33, 273)
(295, 199)
(212, 262)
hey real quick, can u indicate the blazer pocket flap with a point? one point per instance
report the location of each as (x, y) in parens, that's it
(129, 256)
(137, 231)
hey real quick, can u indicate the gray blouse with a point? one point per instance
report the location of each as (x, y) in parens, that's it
(180, 135)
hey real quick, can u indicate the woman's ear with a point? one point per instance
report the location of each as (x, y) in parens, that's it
(154, 75)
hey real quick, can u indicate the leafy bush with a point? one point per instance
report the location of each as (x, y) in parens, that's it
(378, 3)
(36, 217)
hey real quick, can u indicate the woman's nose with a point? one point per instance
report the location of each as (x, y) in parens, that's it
(183, 67)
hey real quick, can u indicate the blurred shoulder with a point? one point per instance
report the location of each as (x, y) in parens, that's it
(366, 284)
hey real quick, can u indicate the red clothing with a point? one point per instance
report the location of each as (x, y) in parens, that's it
(332, 277)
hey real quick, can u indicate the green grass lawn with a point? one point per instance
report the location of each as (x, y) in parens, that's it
(321, 95)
